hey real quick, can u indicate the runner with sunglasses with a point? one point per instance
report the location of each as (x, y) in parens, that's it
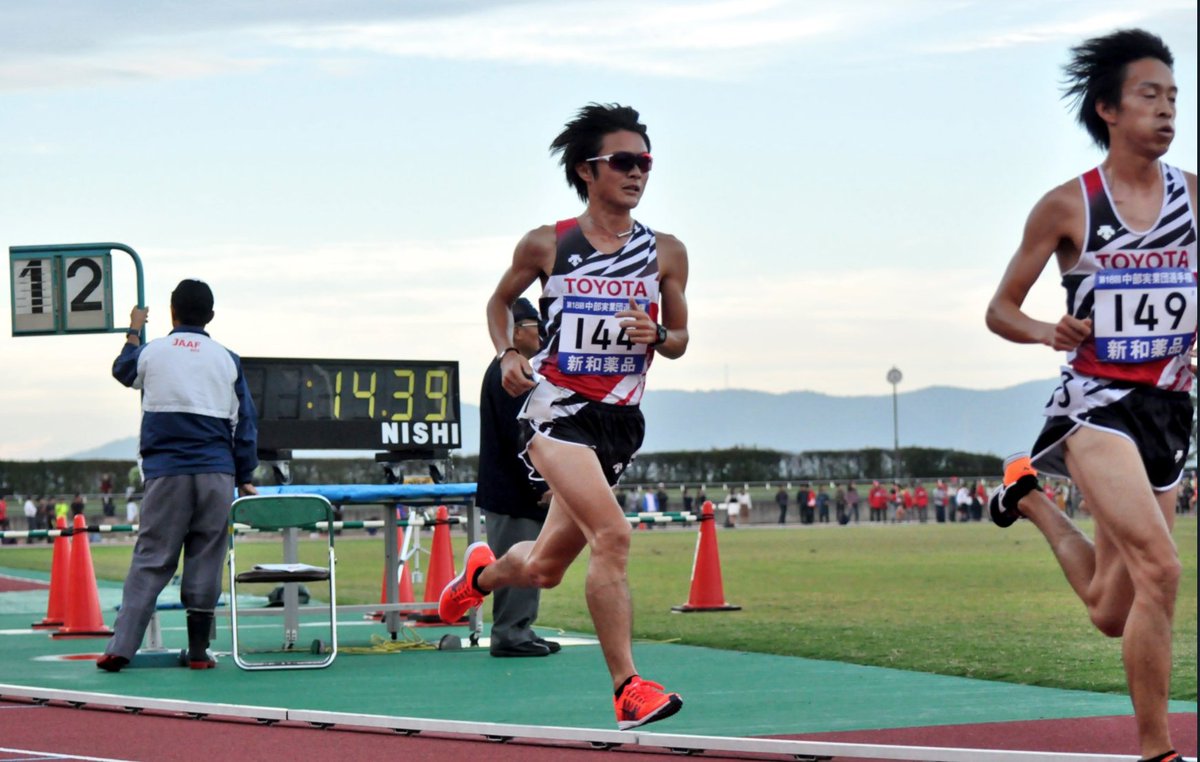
(612, 299)
(1119, 425)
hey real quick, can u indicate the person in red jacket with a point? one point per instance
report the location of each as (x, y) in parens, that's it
(921, 501)
(877, 502)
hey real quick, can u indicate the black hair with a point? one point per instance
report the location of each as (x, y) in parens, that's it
(1097, 72)
(582, 136)
(192, 301)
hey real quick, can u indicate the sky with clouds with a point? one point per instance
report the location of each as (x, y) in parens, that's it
(850, 178)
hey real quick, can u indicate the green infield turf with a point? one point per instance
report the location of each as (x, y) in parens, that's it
(952, 599)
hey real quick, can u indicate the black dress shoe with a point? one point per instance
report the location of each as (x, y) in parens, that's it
(552, 645)
(521, 649)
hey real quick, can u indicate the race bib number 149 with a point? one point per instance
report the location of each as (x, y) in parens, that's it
(592, 341)
(1144, 315)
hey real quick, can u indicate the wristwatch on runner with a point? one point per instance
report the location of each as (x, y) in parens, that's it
(661, 334)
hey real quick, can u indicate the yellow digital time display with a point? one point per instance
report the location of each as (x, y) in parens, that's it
(354, 404)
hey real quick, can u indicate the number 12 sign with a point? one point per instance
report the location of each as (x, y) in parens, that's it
(55, 291)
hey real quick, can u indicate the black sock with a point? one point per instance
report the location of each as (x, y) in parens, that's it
(1022, 487)
(475, 580)
(621, 687)
(1164, 757)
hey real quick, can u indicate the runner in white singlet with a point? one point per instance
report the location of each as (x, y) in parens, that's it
(612, 299)
(1124, 236)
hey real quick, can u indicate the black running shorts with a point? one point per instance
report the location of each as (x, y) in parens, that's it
(613, 432)
(1158, 422)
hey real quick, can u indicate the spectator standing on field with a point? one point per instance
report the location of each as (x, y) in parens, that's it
(921, 501)
(62, 510)
(781, 500)
(962, 501)
(877, 502)
(802, 496)
(939, 501)
(822, 504)
(744, 504)
(732, 508)
(106, 502)
(852, 501)
(31, 517)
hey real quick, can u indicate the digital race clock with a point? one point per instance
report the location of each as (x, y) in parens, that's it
(354, 404)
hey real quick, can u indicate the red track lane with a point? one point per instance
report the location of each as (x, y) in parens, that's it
(158, 737)
(19, 584)
(152, 737)
(1095, 735)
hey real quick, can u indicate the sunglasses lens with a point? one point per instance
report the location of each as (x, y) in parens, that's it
(625, 161)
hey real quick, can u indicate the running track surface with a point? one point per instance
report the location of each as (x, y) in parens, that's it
(57, 732)
(29, 731)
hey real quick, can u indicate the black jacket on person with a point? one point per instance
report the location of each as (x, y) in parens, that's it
(503, 483)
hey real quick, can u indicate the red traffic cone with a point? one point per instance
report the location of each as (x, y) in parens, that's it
(56, 609)
(708, 593)
(404, 590)
(83, 619)
(441, 565)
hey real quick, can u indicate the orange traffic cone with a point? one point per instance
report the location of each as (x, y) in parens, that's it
(441, 566)
(708, 593)
(83, 619)
(56, 609)
(404, 590)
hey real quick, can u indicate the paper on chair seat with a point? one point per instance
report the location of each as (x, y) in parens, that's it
(288, 568)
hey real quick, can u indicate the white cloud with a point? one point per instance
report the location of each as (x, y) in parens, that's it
(706, 40)
(118, 67)
(1073, 24)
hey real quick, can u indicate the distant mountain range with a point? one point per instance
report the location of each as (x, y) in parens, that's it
(997, 421)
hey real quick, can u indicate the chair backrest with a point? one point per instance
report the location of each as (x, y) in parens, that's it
(268, 512)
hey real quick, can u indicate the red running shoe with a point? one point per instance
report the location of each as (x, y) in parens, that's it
(642, 701)
(461, 595)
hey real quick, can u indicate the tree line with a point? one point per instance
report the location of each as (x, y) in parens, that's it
(737, 464)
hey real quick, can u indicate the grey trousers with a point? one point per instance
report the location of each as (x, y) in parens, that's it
(514, 609)
(187, 513)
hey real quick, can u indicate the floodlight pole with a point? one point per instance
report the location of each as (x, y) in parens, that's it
(894, 377)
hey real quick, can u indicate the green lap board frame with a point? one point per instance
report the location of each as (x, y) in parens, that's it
(66, 288)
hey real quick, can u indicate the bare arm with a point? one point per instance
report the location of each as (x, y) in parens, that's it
(1051, 228)
(672, 283)
(531, 258)
(1191, 185)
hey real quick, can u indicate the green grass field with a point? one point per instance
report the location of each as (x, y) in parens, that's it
(953, 599)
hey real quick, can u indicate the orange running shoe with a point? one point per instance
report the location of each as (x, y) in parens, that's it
(1020, 478)
(642, 701)
(461, 595)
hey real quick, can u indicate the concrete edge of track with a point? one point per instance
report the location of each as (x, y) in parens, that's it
(597, 738)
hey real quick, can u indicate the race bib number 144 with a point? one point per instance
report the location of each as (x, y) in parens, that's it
(1144, 315)
(592, 341)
